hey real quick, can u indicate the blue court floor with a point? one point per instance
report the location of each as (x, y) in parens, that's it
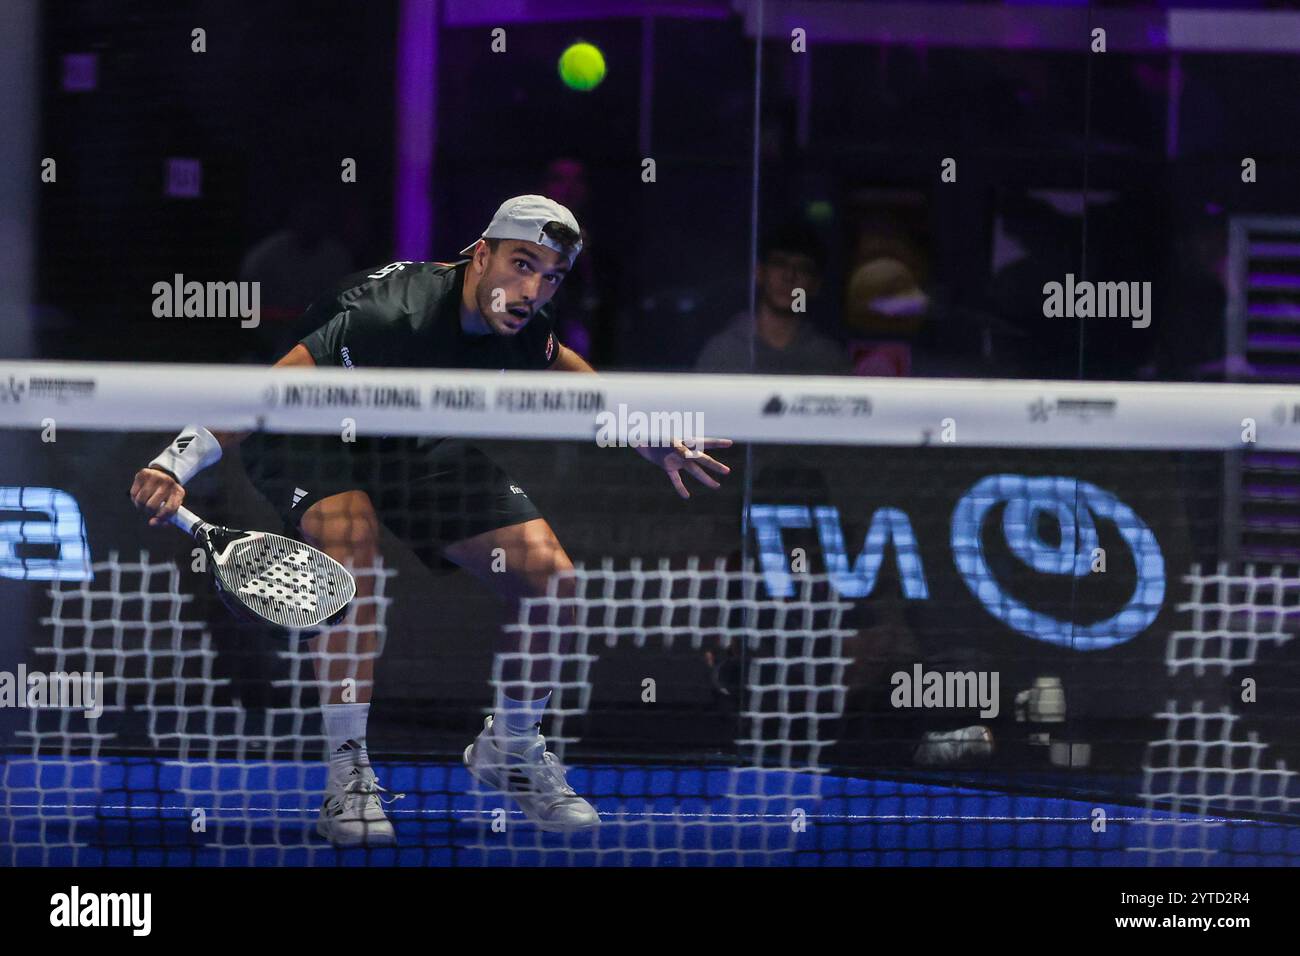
(155, 812)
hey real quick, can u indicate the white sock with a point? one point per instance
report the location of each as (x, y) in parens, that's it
(519, 720)
(345, 734)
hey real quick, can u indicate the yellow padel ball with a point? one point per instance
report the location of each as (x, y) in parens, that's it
(582, 66)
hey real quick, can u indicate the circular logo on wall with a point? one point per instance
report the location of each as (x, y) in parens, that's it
(1050, 525)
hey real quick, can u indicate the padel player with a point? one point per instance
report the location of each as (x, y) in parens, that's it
(444, 498)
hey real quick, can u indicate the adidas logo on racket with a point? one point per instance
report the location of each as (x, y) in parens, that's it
(293, 575)
(271, 577)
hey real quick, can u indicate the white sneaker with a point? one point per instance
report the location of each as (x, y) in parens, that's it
(955, 746)
(352, 813)
(534, 778)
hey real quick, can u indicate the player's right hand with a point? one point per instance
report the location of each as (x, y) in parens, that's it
(158, 494)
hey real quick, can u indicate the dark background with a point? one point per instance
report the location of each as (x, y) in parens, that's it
(281, 97)
(285, 92)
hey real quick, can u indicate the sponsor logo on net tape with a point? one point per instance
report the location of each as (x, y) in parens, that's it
(1081, 409)
(819, 406)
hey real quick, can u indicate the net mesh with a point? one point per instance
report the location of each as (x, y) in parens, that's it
(791, 694)
(1210, 762)
(850, 654)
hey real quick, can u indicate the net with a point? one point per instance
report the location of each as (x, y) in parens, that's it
(920, 623)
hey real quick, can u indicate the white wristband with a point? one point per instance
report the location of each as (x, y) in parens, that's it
(194, 449)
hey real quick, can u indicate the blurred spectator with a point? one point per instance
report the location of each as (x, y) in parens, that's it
(1191, 339)
(1048, 243)
(294, 266)
(779, 340)
(583, 317)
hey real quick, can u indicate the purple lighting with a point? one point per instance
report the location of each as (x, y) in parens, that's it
(417, 64)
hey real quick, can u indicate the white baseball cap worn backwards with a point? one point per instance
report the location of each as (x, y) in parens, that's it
(524, 217)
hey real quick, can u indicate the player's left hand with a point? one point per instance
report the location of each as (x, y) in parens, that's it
(689, 458)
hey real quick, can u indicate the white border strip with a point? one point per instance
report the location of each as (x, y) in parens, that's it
(760, 408)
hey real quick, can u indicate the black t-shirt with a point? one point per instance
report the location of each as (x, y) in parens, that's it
(407, 315)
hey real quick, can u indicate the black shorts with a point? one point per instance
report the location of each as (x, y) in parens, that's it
(430, 492)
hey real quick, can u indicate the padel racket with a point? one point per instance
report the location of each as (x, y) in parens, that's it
(275, 579)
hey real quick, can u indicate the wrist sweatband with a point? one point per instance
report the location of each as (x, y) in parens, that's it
(194, 449)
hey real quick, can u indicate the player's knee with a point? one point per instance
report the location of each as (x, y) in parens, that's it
(563, 572)
(551, 579)
(551, 570)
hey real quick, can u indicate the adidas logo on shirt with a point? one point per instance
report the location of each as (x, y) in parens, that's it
(298, 495)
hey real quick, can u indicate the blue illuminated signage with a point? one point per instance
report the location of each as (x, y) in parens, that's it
(1071, 506)
(888, 525)
(55, 520)
(1067, 506)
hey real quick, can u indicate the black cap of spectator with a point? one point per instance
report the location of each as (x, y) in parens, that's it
(793, 236)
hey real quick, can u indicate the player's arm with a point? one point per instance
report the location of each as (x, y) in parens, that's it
(298, 355)
(673, 459)
(159, 488)
(570, 361)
